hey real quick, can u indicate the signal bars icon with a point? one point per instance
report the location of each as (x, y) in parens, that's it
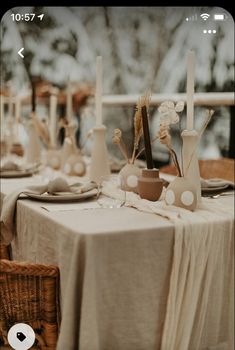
(192, 18)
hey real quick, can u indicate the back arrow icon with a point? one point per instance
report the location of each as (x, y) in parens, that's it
(20, 52)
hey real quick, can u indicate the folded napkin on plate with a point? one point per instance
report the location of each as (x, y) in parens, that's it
(12, 166)
(9, 165)
(54, 187)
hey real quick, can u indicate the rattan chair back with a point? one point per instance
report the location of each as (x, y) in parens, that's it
(29, 293)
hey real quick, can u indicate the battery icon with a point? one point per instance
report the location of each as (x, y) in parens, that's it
(219, 17)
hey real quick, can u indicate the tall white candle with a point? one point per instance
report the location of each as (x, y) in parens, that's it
(98, 91)
(17, 115)
(69, 103)
(53, 120)
(190, 89)
(17, 108)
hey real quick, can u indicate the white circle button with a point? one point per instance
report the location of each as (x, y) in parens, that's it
(170, 197)
(132, 181)
(187, 198)
(21, 336)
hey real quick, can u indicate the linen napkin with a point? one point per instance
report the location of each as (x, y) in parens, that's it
(12, 166)
(55, 187)
(9, 165)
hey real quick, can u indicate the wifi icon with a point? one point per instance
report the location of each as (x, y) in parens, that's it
(205, 16)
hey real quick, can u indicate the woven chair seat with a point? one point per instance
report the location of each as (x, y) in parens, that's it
(29, 293)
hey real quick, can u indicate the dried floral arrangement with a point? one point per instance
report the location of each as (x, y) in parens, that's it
(144, 100)
(169, 115)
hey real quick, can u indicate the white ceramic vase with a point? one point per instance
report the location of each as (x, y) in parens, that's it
(33, 147)
(53, 158)
(190, 160)
(99, 156)
(182, 193)
(130, 174)
(75, 165)
(67, 149)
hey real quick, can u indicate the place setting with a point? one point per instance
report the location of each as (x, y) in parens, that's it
(10, 169)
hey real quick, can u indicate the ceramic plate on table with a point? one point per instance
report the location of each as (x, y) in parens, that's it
(214, 190)
(68, 197)
(11, 174)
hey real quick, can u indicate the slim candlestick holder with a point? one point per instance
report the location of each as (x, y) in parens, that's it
(99, 155)
(190, 160)
(34, 147)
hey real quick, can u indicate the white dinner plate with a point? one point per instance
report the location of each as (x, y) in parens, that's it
(211, 190)
(45, 197)
(11, 174)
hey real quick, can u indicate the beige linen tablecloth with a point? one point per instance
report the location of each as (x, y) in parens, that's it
(123, 279)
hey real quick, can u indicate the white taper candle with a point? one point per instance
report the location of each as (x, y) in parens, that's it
(17, 109)
(190, 89)
(98, 91)
(53, 120)
(17, 115)
(69, 103)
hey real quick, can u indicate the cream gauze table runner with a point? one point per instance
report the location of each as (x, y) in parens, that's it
(132, 280)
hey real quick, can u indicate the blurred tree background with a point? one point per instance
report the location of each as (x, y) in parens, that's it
(142, 48)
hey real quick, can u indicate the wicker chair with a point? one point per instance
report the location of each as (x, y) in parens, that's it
(29, 293)
(221, 168)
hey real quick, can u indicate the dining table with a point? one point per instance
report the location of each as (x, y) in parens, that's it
(133, 279)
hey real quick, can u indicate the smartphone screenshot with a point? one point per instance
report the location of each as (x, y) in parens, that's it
(117, 178)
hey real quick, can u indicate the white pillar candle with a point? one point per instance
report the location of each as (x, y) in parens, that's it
(53, 120)
(190, 89)
(69, 103)
(98, 91)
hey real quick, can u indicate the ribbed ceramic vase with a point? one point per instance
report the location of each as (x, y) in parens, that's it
(150, 185)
